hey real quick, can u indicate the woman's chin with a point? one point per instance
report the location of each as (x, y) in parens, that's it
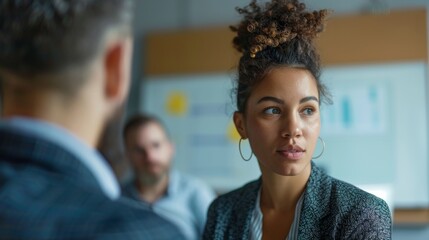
(291, 170)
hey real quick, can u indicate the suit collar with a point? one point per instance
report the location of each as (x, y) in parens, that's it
(90, 158)
(26, 148)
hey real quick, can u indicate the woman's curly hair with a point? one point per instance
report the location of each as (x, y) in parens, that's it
(281, 33)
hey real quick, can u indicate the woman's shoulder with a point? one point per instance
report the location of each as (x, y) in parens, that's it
(348, 194)
(341, 208)
(247, 192)
(230, 208)
(352, 202)
(364, 215)
(343, 193)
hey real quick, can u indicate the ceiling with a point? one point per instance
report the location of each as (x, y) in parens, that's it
(155, 15)
(359, 6)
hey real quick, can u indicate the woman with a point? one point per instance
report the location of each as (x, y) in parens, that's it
(278, 100)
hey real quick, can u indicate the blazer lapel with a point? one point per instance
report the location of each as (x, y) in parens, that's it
(243, 211)
(315, 206)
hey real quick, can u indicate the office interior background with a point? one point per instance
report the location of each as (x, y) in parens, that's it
(376, 131)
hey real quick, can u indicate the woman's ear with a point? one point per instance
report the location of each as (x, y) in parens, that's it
(239, 124)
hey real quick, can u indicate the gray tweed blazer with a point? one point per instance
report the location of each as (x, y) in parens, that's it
(332, 209)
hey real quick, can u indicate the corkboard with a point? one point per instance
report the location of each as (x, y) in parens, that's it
(359, 39)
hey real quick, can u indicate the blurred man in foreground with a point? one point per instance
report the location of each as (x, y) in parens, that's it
(182, 199)
(64, 66)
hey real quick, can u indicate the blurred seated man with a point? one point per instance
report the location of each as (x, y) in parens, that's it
(182, 199)
(64, 67)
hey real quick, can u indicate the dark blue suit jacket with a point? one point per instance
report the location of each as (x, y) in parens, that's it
(46, 193)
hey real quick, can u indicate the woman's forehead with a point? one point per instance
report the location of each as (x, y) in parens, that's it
(287, 81)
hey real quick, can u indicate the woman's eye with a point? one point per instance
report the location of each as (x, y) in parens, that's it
(308, 111)
(272, 111)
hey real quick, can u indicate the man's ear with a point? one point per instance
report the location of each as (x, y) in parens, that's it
(239, 124)
(117, 63)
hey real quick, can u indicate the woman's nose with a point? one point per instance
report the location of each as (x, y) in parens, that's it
(296, 133)
(291, 128)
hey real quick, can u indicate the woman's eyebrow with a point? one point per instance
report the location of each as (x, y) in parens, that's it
(309, 98)
(270, 99)
(277, 100)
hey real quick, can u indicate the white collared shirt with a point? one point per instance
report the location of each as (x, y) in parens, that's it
(256, 221)
(185, 203)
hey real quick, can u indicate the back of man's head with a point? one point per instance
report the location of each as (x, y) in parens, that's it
(50, 43)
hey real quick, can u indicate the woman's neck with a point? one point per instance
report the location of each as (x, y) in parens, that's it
(281, 193)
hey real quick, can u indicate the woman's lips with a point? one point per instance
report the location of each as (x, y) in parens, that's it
(294, 153)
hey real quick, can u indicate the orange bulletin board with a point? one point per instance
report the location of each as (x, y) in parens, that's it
(358, 39)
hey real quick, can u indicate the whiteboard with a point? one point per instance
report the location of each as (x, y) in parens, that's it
(375, 132)
(395, 150)
(198, 113)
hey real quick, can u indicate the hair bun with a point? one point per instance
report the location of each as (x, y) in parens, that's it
(276, 24)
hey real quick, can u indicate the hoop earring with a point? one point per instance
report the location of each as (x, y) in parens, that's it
(323, 149)
(241, 154)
